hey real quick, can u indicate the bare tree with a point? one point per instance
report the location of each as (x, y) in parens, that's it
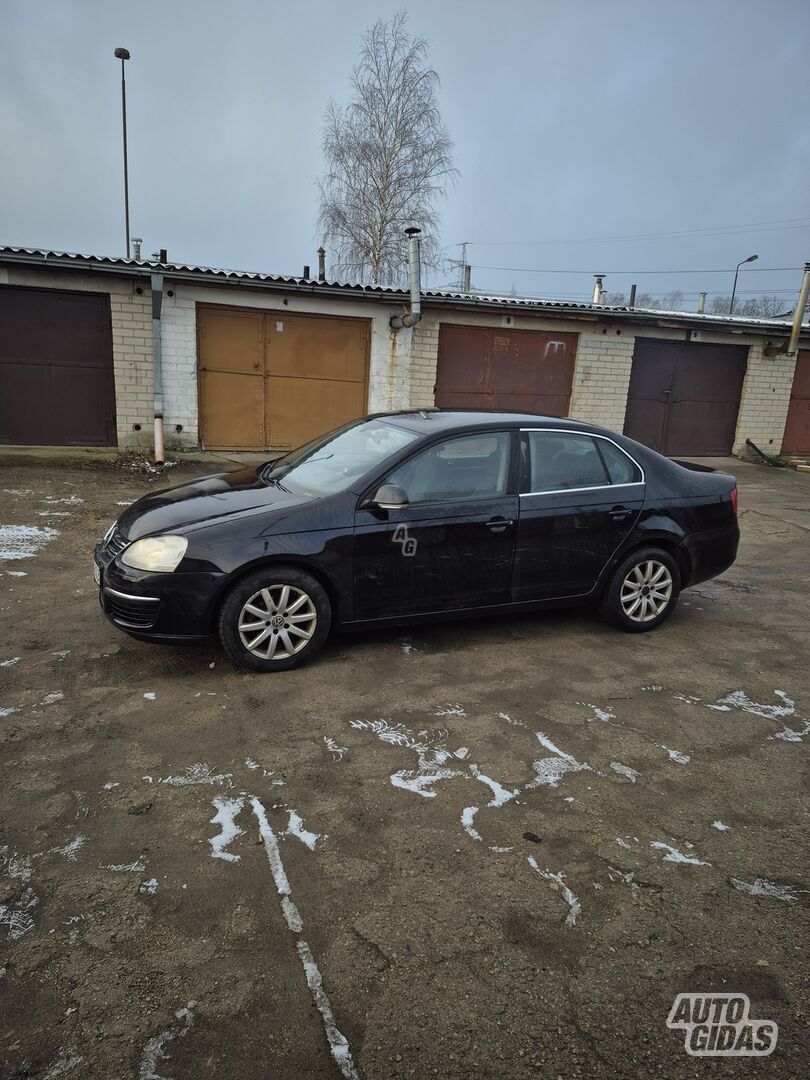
(388, 158)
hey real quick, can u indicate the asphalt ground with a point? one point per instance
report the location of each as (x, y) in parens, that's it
(496, 848)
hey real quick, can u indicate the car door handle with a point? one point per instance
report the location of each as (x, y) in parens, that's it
(498, 524)
(619, 513)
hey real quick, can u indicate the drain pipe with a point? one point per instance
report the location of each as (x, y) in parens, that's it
(414, 282)
(157, 303)
(792, 344)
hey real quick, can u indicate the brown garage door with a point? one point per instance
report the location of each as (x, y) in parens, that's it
(684, 397)
(269, 379)
(797, 428)
(527, 370)
(56, 368)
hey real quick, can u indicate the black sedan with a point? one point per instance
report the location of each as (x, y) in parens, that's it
(416, 516)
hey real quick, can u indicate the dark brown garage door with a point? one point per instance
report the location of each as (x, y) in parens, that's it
(526, 370)
(56, 368)
(684, 397)
(797, 428)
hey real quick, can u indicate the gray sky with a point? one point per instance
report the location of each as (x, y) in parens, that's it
(571, 123)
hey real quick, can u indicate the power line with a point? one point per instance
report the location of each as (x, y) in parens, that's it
(711, 230)
(590, 273)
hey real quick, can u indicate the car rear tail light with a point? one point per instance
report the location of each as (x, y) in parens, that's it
(734, 499)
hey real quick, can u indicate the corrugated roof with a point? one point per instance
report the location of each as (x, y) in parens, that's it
(187, 271)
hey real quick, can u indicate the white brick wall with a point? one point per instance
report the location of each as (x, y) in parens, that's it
(424, 351)
(765, 399)
(601, 377)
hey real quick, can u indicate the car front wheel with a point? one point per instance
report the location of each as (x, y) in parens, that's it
(275, 619)
(643, 591)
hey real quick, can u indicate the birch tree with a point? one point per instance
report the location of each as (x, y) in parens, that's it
(388, 159)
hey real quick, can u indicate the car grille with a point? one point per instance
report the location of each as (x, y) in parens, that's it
(141, 613)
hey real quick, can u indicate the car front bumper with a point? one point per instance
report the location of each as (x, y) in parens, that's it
(156, 607)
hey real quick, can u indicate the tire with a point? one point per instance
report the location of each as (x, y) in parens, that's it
(248, 634)
(633, 610)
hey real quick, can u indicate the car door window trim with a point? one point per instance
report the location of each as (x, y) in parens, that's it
(592, 487)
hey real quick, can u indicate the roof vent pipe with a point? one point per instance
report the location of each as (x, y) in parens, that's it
(597, 288)
(136, 248)
(321, 264)
(792, 344)
(414, 282)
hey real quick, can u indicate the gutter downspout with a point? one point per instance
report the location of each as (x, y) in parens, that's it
(157, 303)
(414, 282)
(792, 344)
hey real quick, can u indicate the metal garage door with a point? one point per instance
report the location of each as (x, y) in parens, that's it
(684, 397)
(527, 370)
(56, 368)
(797, 428)
(269, 379)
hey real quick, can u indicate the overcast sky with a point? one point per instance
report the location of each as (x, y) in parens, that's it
(572, 123)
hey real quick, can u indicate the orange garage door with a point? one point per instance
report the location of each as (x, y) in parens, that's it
(271, 380)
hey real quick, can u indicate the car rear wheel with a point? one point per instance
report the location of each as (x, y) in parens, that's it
(643, 591)
(275, 619)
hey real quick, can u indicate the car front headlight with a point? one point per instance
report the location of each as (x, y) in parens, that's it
(159, 554)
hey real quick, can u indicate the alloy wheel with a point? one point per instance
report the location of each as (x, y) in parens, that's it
(277, 622)
(646, 591)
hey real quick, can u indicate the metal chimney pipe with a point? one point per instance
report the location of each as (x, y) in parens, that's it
(321, 264)
(793, 342)
(465, 285)
(414, 281)
(702, 304)
(136, 248)
(597, 288)
(632, 295)
(306, 273)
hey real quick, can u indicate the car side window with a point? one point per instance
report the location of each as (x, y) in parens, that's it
(467, 467)
(621, 468)
(561, 460)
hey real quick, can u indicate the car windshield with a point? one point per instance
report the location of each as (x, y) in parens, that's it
(333, 462)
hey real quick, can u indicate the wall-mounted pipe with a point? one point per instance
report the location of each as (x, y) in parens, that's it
(157, 358)
(414, 283)
(792, 343)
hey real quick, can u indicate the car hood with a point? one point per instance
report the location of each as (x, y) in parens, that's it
(207, 499)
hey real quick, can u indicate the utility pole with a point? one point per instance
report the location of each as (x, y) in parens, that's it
(123, 56)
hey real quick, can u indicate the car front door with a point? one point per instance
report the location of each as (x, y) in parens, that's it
(581, 496)
(452, 546)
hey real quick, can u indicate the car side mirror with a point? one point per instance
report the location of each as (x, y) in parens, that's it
(390, 497)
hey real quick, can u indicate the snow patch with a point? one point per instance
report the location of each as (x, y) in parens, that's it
(791, 734)
(8, 663)
(467, 818)
(605, 715)
(296, 828)
(67, 1060)
(227, 810)
(574, 906)
(196, 774)
(763, 887)
(136, 867)
(17, 916)
(676, 755)
(550, 770)
(624, 770)
(336, 751)
(155, 1049)
(740, 700)
(23, 541)
(673, 855)
(148, 888)
(720, 826)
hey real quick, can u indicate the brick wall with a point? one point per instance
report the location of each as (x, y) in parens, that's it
(424, 352)
(179, 358)
(764, 404)
(601, 378)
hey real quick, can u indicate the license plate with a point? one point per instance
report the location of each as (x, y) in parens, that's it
(96, 574)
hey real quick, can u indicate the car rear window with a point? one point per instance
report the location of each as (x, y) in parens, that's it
(561, 460)
(620, 467)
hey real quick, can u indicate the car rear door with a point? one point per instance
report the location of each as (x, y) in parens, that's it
(452, 546)
(581, 496)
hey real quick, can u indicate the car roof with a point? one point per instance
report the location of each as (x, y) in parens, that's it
(429, 420)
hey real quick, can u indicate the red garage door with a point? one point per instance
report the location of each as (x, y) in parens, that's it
(56, 368)
(797, 428)
(525, 370)
(684, 397)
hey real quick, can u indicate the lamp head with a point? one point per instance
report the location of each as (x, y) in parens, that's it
(752, 258)
(122, 54)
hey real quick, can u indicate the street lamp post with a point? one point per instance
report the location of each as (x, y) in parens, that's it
(123, 56)
(751, 258)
